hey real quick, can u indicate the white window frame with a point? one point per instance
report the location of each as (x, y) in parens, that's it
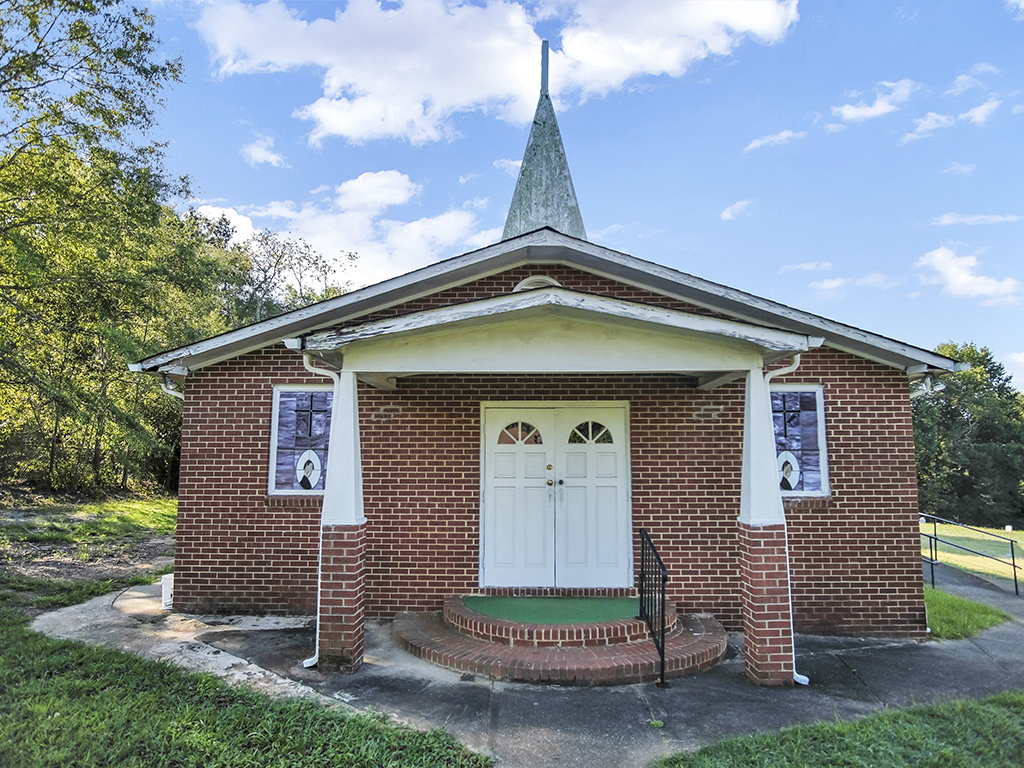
(272, 467)
(822, 435)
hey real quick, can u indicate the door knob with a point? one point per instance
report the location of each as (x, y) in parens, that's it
(560, 482)
(549, 482)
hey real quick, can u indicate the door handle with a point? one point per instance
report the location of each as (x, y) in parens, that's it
(549, 482)
(561, 481)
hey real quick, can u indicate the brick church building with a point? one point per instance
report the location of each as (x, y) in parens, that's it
(506, 421)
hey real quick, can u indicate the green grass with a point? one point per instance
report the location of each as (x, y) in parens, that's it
(1002, 567)
(958, 734)
(102, 523)
(64, 704)
(954, 618)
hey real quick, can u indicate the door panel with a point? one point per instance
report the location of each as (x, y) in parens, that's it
(555, 506)
(592, 525)
(518, 510)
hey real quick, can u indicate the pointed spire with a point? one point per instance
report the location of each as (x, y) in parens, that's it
(544, 195)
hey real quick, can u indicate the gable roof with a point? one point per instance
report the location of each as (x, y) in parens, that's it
(547, 247)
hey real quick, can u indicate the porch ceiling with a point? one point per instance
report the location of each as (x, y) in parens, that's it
(553, 330)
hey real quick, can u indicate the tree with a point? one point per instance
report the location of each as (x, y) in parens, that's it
(277, 274)
(970, 442)
(82, 217)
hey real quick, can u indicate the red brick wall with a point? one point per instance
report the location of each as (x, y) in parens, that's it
(855, 566)
(238, 550)
(856, 555)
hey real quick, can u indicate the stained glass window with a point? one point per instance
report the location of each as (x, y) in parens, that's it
(302, 426)
(799, 422)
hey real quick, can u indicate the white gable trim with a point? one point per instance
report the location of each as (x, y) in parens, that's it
(560, 298)
(545, 246)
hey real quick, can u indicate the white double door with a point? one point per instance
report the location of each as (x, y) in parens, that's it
(556, 497)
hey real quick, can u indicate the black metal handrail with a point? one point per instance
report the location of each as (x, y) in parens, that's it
(933, 546)
(653, 578)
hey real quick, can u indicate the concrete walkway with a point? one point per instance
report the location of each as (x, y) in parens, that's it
(528, 725)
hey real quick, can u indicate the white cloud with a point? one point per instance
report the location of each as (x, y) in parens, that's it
(782, 137)
(983, 67)
(243, 225)
(884, 103)
(925, 125)
(262, 151)
(962, 84)
(730, 213)
(403, 72)
(830, 288)
(961, 218)
(511, 167)
(879, 280)
(834, 127)
(1017, 109)
(1016, 7)
(956, 275)
(960, 168)
(807, 266)
(466, 177)
(981, 113)
(354, 218)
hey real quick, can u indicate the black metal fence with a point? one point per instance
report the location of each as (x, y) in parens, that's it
(934, 540)
(653, 578)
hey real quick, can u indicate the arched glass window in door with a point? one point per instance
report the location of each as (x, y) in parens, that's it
(590, 433)
(519, 432)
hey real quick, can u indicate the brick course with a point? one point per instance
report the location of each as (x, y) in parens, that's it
(855, 567)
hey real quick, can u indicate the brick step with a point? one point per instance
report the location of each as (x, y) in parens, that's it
(697, 643)
(505, 632)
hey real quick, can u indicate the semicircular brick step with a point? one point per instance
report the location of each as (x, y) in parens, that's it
(602, 653)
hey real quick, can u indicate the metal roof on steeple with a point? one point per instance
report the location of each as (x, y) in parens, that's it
(544, 195)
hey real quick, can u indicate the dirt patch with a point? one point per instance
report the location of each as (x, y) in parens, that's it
(71, 562)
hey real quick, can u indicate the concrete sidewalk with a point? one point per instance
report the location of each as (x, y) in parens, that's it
(528, 725)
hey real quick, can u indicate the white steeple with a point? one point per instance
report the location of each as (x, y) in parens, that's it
(544, 196)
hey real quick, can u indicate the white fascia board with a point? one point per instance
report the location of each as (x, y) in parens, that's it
(560, 298)
(545, 246)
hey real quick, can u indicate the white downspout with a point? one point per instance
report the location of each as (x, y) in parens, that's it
(308, 363)
(797, 677)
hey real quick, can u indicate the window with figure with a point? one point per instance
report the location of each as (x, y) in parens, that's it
(300, 431)
(798, 413)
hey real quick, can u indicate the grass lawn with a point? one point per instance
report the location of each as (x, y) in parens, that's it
(953, 618)
(958, 734)
(979, 542)
(69, 704)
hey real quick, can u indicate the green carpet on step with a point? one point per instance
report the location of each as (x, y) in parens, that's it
(554, 610)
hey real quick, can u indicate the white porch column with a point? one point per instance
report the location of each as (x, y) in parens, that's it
(343, 489)
(760, 497)
(763, 548)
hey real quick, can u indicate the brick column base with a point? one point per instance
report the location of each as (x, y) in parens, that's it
(342, 579)
(767, 620)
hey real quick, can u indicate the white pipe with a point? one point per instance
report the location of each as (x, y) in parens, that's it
(315, 658)
(797, 677)
(166, 387)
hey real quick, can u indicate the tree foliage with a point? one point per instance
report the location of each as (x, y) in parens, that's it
(970, 442)
(96, 269)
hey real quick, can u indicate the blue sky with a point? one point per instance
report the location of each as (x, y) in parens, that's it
(862, 161)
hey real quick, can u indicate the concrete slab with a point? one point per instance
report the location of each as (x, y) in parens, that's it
(521, 724)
